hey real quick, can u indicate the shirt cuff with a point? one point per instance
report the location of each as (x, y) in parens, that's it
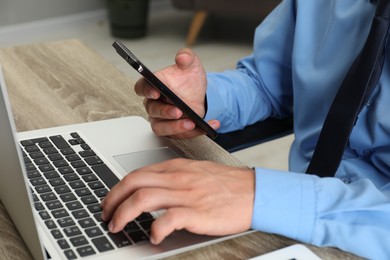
(215, 107)
(285, 204)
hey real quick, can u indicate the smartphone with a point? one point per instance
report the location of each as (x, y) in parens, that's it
(126, 54)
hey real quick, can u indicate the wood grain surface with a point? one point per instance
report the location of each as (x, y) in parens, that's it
(65, 82)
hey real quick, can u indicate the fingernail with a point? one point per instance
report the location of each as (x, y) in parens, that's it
(111, 227)
(214, 124)
(188, 125)
(152, 95)
(174, 113)
(152, 240)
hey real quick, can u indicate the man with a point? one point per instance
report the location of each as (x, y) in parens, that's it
(302, 52)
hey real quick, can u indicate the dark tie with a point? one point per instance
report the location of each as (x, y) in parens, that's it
(354, 92)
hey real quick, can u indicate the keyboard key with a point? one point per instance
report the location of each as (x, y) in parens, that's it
(96, 185)
(119, 239)
(83, 192)
(37, 181)
(63, 244)
(51, 151)
(87, 222)
(50, 224)
(38, 206)
(75, 135)
(51, 175)
(42, 189)
(87, 153)
(70, 254)
(93, 232)
(78, 164)
(138, 236)
(35, 155)
(26, 160)
(78, 241)
(35, 197)
(146, 225)
(56, 234)
(144, 216)
(72, 231)
(55, 204)
(101, 193)
(60, 163)
(67, 151)
(73, 142)
(90, 177)
(131, 227)
(59, 141)
(62, 189)
(56, 182)
(94, 208)
(30, 167)
(33, 174)
(72, 157)
(32, 148)
(73, 205)
(48, 196)
(71, 177)
(85, 251)
(76, 184)
(79, 214)
(33, 141)
(46, 168)
(98, 216)
(102, 244)
(44, 215)
(60, 213)
(84, 170)
(104, 226)
(44, 145)
(93, 160)
(106, 175)
(55, 157)
(68, 197)
(65, 170)
(89, 200)
(41, 161)
(65, 222)
(85, 147)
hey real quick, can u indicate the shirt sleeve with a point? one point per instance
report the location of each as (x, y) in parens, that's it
(324, 211)
(261, 85)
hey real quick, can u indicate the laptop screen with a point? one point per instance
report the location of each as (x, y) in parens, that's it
(13, 188)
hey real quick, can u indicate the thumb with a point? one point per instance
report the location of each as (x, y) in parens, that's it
(186, 59)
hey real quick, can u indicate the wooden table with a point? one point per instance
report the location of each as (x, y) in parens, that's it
(58, 83)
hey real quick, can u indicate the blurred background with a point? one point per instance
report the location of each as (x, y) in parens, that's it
(219, 31)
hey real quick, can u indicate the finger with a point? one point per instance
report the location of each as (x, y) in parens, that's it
(125, 188)
(171, 127)
(144, 89)
(182, 128)
(185, 58)
(173, 219)
(163, 110)
(146, 177)
(146, 200)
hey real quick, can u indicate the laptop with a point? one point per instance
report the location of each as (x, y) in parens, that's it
(52, 181)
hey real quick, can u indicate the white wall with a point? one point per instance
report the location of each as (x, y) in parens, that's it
(21, 11)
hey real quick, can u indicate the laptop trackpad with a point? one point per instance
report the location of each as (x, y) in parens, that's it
(133, 161)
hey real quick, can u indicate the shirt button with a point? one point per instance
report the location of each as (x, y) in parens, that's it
(346, 180)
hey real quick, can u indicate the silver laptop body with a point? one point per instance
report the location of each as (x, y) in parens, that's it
(122, 145)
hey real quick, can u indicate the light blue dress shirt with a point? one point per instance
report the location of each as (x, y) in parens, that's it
(302, 51)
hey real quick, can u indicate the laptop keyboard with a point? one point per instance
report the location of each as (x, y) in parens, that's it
(68, 181)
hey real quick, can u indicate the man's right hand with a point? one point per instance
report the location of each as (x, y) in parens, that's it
(187, 79)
